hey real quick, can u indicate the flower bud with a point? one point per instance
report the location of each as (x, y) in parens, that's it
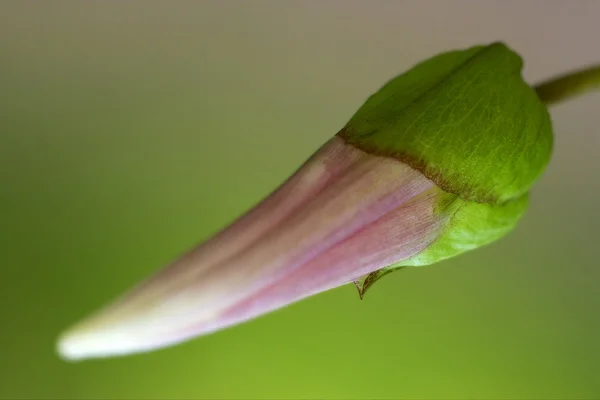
(438, 162)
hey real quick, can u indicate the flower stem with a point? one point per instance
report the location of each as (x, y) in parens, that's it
(569, 85)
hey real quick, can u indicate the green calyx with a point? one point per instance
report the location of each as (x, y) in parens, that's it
(469, 225)
(466, 119)
(469, 122)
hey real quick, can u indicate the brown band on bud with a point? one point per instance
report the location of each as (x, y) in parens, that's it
(417, 164)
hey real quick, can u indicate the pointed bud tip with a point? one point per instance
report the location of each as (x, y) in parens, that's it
(95, 338)
(72, 346)
(77, 345)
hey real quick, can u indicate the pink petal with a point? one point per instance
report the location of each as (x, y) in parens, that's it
(343, 214)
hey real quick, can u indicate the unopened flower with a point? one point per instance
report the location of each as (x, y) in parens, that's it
(438, 162)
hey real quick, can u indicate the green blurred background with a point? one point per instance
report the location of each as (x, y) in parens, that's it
(129, 131)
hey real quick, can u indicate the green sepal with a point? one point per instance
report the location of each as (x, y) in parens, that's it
(468, 225)
(466, 119)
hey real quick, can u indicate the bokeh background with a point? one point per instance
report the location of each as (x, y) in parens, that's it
(129, 131)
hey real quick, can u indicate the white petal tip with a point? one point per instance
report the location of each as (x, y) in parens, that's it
(73, 347)
(80, 344)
